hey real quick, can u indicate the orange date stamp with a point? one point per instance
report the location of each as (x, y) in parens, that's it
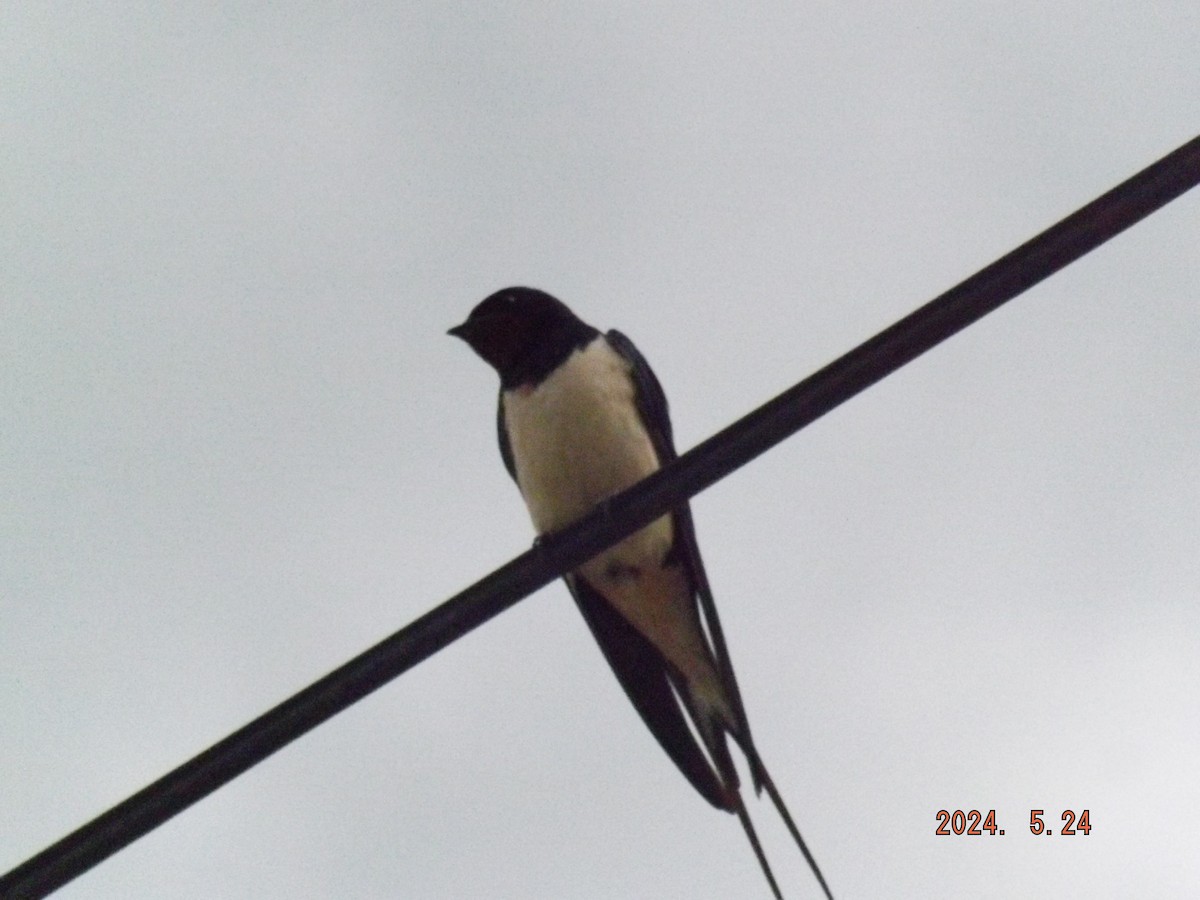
(973, 822)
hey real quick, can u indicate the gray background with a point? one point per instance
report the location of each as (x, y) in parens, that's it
(237, 447)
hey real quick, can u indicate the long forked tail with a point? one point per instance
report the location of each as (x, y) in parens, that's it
(763, 779)
(748, 826)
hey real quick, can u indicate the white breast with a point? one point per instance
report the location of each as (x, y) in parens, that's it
(576, 439)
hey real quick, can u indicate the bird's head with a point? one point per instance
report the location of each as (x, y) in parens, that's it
(523, 334)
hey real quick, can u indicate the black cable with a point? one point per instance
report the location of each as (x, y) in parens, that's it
(700, 467)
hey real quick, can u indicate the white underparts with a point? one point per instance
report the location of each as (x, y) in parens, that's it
(577, 439)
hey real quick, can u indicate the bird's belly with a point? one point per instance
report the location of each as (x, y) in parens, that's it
(576, 440)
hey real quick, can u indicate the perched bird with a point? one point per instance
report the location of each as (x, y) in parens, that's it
(581, 418)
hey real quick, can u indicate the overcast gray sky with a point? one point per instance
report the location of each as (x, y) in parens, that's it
(238, 447)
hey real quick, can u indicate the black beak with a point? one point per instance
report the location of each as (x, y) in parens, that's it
(459, 331)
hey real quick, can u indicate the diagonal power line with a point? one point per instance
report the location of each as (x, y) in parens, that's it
(697, 469)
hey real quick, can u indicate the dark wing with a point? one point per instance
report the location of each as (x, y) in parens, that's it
(646, 678)
(505, 447)
(652, 405)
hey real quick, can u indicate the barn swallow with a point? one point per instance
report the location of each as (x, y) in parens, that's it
(581, 418)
